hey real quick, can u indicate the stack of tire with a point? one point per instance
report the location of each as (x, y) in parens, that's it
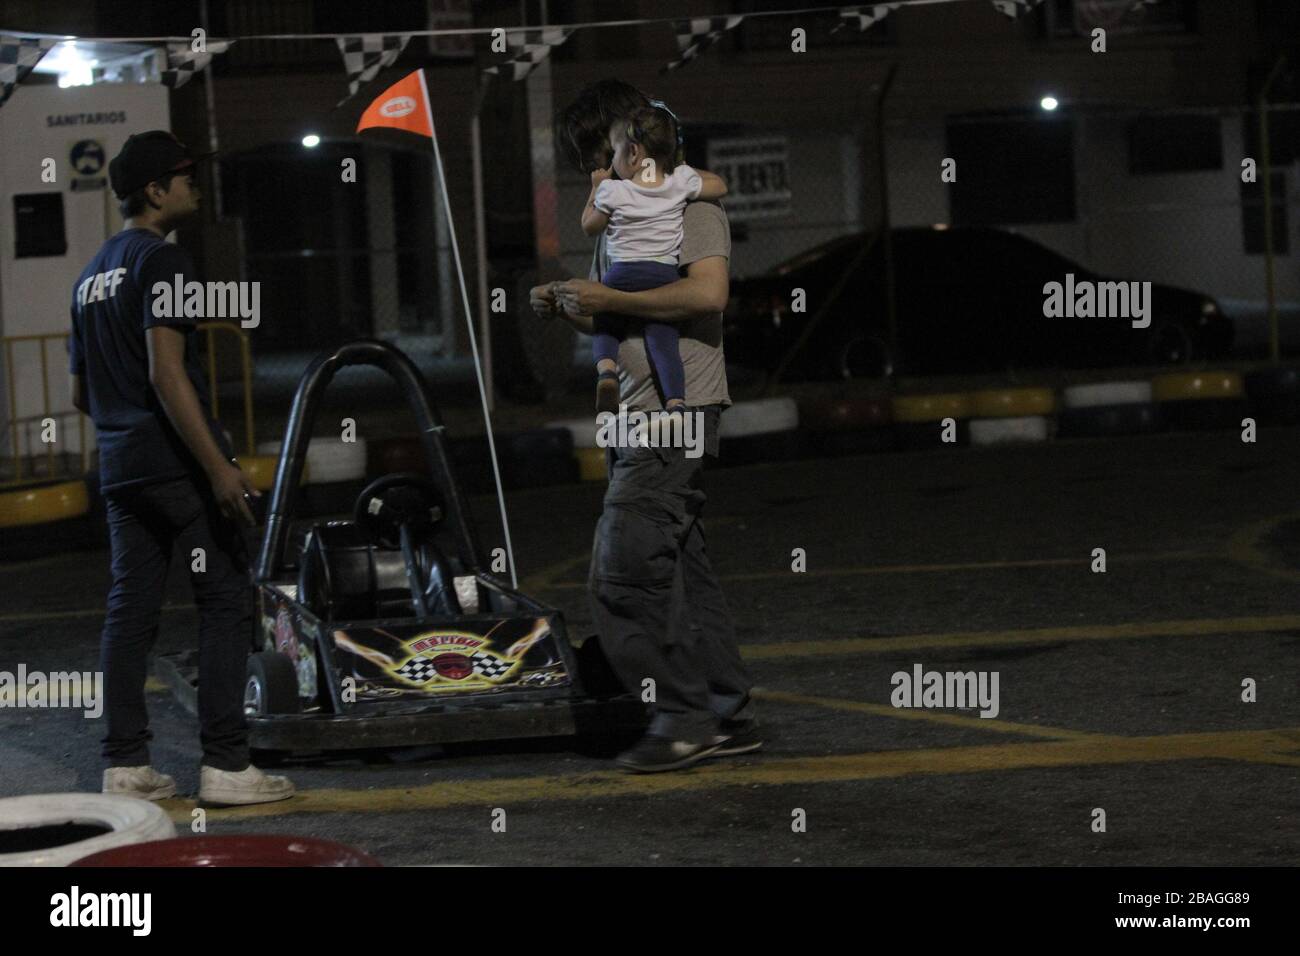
(537, 458)
(766, 429)
(334, 474)
(1002, 416)
(847, 426)
(1108, 408)
(528, 459)
(587, 454)
(1201, 400)
(919, 419)
(1274, 394)
(45, 517)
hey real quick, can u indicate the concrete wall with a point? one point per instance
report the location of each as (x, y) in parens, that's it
(36, 292)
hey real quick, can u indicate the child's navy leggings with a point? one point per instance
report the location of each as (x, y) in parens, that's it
(660, 337)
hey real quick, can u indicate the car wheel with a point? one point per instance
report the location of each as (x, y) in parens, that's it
(1169, 344)
(271, 686)
(865, 356)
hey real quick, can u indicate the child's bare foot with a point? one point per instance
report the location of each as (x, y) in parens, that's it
(607, 393)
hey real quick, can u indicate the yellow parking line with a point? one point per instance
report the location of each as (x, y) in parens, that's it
(1193, 627)
(548, 583)
(81, 612)
(1243, 547)
(1253, 746)
(545, 578)
(928, 716)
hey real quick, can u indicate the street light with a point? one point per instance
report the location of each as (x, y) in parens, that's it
(311, 140)
(1049, 103)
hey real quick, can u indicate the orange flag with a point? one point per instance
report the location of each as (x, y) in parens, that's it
(404, 105)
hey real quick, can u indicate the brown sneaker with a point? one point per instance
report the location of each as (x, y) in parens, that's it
(607, 393)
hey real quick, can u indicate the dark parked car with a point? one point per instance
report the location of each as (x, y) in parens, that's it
(967, 300)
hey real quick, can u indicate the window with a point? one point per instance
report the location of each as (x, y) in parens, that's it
(1284, 123)
(1073, 18)
(1252, 216)
(1174, 144)
(336, 260)
(1011, 170)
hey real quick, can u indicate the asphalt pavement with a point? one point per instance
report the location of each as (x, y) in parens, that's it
(1118, 690)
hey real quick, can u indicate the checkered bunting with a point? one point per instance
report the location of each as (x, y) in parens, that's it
(365, 55)
(697, 35)
(524, 62)
(17, 57)
(183, 63)
(1014, 8)
(864, 17)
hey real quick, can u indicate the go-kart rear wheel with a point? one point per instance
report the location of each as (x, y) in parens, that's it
(271, 686)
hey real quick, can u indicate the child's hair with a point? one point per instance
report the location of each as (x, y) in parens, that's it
(656, 133)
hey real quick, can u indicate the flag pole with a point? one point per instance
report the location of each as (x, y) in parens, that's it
(469, 324)
(480, 239)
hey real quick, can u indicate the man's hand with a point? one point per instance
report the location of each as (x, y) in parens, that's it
(598, 176)
(230, 486)
(584, 297)
(546, 302)
(543, 301)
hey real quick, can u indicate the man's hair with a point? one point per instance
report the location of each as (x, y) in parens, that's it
(134, 203)
(656, 133)
(584, 124)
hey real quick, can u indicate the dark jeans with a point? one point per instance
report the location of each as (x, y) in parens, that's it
(657, 604)
(145, 525)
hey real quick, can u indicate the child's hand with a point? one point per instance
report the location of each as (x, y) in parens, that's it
(598, 176)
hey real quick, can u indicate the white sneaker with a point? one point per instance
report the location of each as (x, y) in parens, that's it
(143, 782)
(247, 786)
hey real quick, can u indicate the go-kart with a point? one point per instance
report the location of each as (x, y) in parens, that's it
(384, 629)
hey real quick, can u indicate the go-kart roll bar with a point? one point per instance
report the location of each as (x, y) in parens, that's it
(306, 402)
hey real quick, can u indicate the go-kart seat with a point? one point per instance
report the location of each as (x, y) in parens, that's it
(344, 577)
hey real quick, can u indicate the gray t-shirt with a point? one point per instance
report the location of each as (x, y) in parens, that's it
(705, 233)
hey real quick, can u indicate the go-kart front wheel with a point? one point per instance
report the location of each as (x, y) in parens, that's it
(271, 686)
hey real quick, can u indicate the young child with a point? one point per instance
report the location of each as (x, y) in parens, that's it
(641, 216)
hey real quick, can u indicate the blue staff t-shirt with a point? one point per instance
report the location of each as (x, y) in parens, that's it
(112, 306)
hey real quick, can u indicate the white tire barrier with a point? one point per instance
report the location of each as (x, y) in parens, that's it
(583, 430)
(1000, 431)
(760, 417)
(328, 459)
(129, 819)
(1106, 393)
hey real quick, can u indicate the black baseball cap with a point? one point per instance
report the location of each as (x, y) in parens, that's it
(146, 157)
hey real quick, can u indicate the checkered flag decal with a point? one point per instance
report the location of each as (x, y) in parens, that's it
(697, 35)
(523, 63)
(486, 665)
(418, 670)
(183, 62)
(365, 55)
(17, 57)
(1013, 8)
(864, 17)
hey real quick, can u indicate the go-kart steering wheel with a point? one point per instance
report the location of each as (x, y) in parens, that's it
(388, 503)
